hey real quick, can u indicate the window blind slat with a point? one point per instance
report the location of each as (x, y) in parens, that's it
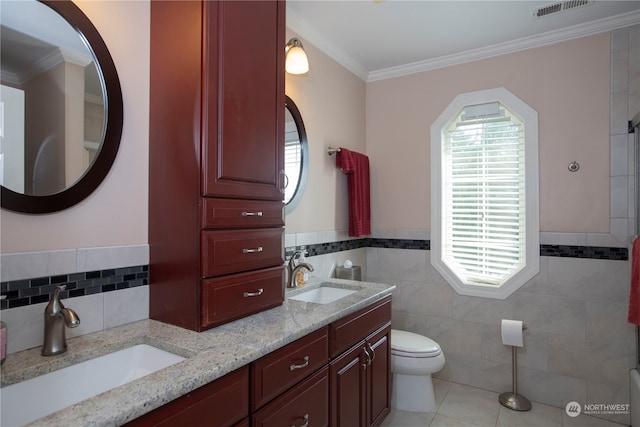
(483, 212)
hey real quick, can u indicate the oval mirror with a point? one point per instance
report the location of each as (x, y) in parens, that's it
(60, 107)
(296, 155)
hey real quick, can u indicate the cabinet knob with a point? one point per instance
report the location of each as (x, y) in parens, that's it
(306, 421)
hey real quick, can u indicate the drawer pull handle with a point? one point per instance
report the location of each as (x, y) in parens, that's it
(366, 353)
(259, 213)
(293, 366)
(373, 352)
(254, 294)
(306, 421)
(252, 251)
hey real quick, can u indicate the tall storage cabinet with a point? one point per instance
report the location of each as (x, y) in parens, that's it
(216, 144)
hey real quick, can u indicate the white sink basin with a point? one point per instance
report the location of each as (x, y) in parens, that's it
(323, 295)
(29, 400)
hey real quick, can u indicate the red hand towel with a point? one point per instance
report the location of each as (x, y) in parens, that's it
(634, 294)
(356, 166)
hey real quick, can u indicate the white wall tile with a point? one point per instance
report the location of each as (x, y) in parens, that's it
(101, 258)
(125, 306)
(607, 322)
(482, 310)
(599, 362)
(589, 278)
(90, 309)
(533, 355)
(619, 197)
(456, 336)
(550, 388)
(29, 265)
(25, 327)
(551, 314)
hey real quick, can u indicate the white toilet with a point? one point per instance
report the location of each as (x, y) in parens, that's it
(413, 359)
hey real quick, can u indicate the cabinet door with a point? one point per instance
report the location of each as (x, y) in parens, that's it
(243, 138)
(378, 376)
(348, 388)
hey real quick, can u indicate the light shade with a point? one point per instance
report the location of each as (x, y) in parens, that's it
(296, 61)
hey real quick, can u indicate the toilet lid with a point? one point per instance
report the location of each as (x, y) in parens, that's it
(408, 344)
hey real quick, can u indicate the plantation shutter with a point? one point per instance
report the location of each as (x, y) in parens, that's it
(484, 195)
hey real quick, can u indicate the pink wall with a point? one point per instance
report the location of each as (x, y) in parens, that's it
(116, 213)
(568, 84)
(331, 101)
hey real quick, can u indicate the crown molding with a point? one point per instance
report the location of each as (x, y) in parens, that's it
(306, 31)
(544, 39)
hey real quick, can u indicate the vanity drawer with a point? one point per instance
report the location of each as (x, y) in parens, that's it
(238, 295)
(305, 404)
(275, 373)
(347, 331)
(225, 252)
(237, 213)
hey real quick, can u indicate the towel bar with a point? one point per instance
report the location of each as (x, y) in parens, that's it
(332, 150)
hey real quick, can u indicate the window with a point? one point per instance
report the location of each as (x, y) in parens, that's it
(484, 208)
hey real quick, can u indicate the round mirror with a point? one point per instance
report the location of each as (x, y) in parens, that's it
(296, 155)
(60, 107)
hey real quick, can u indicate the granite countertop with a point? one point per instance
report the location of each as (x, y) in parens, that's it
(209, 355)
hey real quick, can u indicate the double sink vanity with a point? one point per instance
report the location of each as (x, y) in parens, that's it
(328, 340)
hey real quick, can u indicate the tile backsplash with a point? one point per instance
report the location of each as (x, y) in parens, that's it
(106, 286)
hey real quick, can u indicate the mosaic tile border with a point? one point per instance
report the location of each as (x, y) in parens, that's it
(592, 252)
(20, 293)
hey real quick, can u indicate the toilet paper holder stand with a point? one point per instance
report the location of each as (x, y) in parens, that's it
(513, 400)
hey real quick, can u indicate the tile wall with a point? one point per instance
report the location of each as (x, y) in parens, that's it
(106, 286)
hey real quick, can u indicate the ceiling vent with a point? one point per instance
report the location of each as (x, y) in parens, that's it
(560, 6)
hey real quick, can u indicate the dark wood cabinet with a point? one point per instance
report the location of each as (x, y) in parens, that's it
(299, 384)
(360, 376)
(244, 94)
(216, 153)
(221, 403)
(378, 376)
(348, 388)
(282, 369)
(307, 404)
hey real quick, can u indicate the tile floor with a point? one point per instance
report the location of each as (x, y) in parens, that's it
(463, 406)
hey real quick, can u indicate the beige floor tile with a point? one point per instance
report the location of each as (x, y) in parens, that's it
(407, 419)
(443, 421)
(539, 415)
(470, 404)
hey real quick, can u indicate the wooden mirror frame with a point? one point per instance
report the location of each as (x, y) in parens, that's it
(101, 165)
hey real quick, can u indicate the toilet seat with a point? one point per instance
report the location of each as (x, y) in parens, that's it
(408, 344)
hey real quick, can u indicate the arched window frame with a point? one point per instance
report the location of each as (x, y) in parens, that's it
(448, 269)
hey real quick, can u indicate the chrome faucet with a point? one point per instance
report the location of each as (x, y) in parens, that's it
(56, 317)
(295, 267)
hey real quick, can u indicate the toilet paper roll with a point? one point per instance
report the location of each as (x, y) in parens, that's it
(512, 332)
